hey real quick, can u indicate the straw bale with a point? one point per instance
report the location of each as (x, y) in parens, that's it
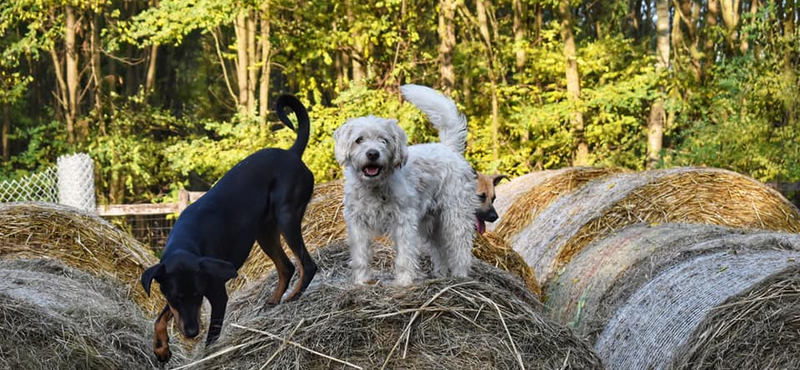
(490, 322)
(78, 239)
(586, 292)
(57, 317)
(647, 331)
(527, 205)
(494, 250)
(684, 195)
(756, 329)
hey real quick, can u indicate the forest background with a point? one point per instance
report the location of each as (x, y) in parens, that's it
(169, 94)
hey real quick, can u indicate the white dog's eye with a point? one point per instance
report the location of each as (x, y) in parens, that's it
(359, 140)
(383, 141)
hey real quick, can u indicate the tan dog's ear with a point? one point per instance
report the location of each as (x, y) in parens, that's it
(398, 141)
(341, 149)
(497, 178)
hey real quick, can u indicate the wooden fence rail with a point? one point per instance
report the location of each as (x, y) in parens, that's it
(184, 199)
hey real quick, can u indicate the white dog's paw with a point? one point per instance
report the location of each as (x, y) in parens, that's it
(362, 277)
(403, 279)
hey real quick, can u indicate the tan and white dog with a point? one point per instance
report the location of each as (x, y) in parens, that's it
(486, 194)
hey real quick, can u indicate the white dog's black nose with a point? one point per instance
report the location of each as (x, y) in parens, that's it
(373, 154)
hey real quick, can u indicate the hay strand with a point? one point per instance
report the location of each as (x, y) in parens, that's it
(492, 249)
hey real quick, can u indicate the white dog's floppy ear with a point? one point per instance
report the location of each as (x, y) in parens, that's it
(398, 142)
(341, 137)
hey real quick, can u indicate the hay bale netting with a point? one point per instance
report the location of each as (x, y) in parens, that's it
(538, 193)
(648, 329)
(588, 291)
(494, 250)
(491, 322)
(78, 239)
(323, 224)
(756, 329)
(57, 317)
(684, 195)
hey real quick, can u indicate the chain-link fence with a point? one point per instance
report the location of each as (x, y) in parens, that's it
(70, 182)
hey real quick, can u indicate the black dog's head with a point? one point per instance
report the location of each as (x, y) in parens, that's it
(184, 279)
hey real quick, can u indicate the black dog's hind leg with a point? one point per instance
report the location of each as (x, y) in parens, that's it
(270, 242)
(289, 222)
(218, 305)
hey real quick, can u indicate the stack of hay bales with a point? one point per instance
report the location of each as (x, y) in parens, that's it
(489, 322)
(324, 224)
(56, 317)
(606, 204)
(78, 239)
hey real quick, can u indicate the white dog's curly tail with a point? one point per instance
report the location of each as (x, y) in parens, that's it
(443, 113)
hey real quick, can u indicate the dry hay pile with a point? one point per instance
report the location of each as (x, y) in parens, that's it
(681, 195)
(57, 317)
(491, 322)
(756, 329)
(494, 250)
(539, 194)
(78, 239)
(323, 224)
(670, 297)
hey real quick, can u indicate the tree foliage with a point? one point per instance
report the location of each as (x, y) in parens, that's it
(169, 94)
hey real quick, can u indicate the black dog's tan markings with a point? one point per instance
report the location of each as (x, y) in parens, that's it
(262, 197)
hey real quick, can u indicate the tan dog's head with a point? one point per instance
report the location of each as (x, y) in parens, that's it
(486, 212)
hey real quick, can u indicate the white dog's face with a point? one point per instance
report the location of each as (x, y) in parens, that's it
(372, 146)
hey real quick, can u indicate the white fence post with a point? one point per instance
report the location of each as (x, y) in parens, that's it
(76, 181)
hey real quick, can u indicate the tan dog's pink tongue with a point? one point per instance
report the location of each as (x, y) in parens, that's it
(480, 226)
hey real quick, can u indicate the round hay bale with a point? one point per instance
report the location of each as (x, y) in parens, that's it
(491, 322)
(657, 319)
(589, 290)
(756, 329)
(78, 239)
(57, 317)
(494, 250)
(323, 224)
(540, 193)
(680, 195)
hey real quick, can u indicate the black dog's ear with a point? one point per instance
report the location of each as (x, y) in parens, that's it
(497, 178)
(218, 268)
(148, 275)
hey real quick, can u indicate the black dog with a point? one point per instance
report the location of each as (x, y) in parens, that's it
(263, 196)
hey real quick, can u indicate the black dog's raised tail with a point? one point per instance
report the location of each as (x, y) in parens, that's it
(303, 123)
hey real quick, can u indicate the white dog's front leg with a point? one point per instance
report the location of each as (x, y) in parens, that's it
(360, 238)
(406, 241)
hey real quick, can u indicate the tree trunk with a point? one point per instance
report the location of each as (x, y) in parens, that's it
(573, 83)
(730, 16)
(97, 76)
(252, 72)
(240, 25)
(483, 24)
(447, 42)
(708, 48)
(150, 80)
(359, 70)
(266, 57)
(5, 130)
(72, 72)
(655, 127)
(519, 35)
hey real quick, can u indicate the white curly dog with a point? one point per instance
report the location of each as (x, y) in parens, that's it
(420, 195)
